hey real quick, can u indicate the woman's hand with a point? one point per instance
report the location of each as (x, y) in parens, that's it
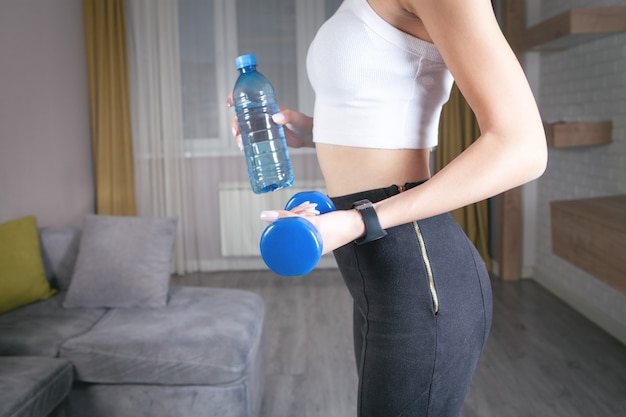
(298, 127)
(336, 227)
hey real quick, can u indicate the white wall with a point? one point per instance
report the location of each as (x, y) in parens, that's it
(586, 82)
(45, 151)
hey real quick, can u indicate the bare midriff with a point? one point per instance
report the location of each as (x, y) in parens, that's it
(349, 170)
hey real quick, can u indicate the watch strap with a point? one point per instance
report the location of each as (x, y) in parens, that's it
(373, 230)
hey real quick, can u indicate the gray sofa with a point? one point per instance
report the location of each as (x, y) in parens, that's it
(33, 385)
(201, 354)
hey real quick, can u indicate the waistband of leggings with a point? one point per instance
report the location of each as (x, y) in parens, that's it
(345, 202)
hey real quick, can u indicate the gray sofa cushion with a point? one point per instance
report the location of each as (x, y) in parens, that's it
(123, 262)
(32, 386)
(40, 328)
(204, 336)
(94, 400)
(59, 249)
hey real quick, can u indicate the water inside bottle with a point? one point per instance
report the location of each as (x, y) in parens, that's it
(268, 166)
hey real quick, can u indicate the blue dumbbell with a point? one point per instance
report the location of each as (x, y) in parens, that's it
(292, 246)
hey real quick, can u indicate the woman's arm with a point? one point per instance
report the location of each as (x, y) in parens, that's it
(511, 149)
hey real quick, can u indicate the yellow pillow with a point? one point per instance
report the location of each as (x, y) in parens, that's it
(22, 275)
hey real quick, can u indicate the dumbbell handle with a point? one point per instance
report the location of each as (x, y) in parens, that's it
(292, 246)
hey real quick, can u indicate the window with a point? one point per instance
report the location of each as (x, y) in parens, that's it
(213, 32)
(198, 66)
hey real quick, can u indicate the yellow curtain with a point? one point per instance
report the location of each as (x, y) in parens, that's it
(457, 130)
(105, 38)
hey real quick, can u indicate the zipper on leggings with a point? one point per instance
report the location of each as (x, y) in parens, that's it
(429, 271)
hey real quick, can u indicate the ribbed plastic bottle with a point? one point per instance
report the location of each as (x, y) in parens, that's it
(265, 147)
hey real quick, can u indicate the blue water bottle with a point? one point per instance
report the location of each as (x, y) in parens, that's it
(265, 147)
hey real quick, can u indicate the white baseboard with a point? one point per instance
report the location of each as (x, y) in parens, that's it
(609, 324)
(527, 271)
(581, 304)
(253, 264)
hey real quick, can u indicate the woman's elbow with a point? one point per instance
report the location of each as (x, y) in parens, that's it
(536, 155)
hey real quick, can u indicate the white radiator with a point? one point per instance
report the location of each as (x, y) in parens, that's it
(240, 226)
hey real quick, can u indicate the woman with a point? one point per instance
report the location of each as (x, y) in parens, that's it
(381, 70)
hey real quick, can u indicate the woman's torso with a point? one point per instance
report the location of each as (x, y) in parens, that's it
(349, 168)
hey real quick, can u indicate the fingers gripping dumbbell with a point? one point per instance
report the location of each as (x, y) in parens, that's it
(292, 246)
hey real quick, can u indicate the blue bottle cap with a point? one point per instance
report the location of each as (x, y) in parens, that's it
(246, 60)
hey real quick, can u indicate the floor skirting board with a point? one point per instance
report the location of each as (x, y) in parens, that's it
(251, 264)
(581, 304)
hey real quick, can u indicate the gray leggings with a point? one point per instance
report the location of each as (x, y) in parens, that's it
(422, 313)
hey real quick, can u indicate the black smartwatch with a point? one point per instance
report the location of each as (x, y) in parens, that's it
(373, 231)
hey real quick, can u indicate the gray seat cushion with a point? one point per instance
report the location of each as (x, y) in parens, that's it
(203, 336)
(32, 386)
(39, 329)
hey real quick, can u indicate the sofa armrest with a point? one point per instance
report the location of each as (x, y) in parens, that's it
(33, 386)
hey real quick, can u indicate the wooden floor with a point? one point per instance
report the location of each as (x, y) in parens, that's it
(542, 359)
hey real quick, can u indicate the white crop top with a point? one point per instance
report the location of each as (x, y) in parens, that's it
(375, 86)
